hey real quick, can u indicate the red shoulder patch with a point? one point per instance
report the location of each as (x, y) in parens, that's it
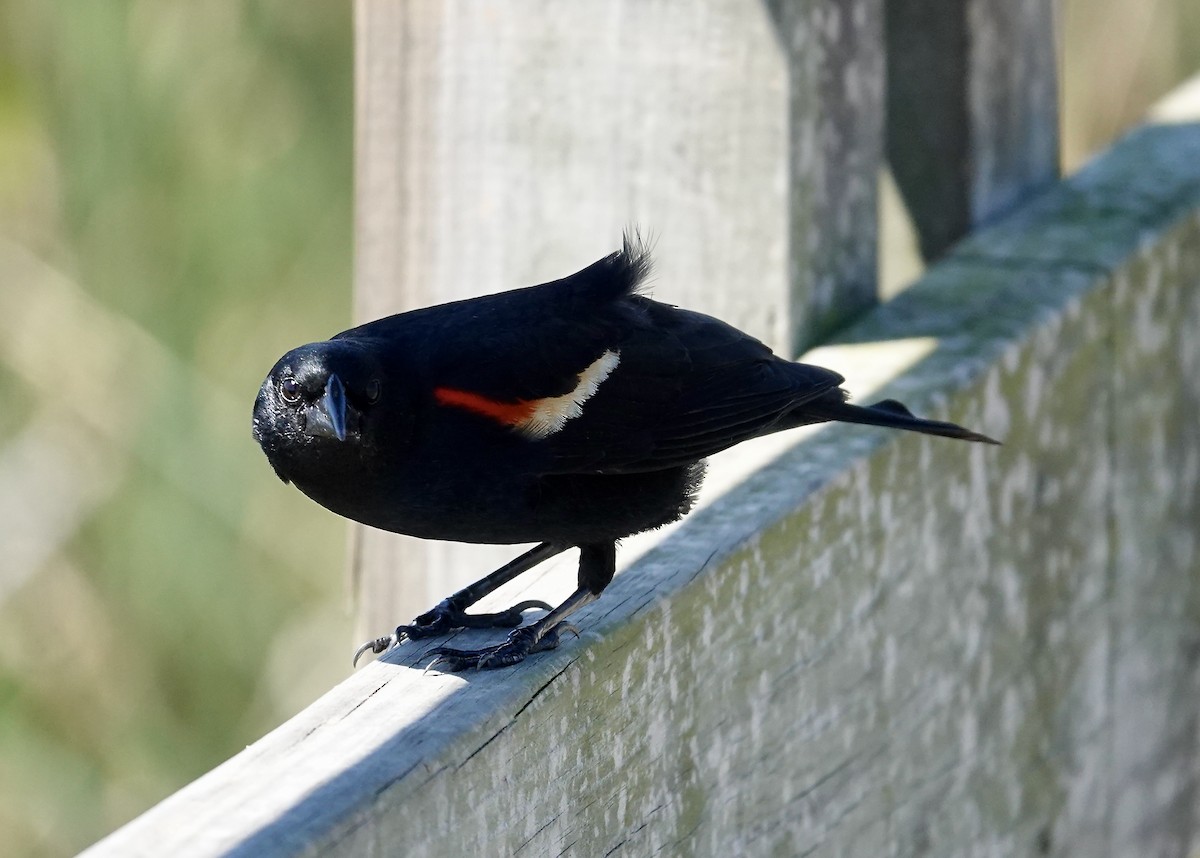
(536, 418)
(508, 413)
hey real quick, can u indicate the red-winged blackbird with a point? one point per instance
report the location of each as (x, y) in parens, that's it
(569, 414)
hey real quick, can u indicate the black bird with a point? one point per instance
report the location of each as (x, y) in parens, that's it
(570, 414)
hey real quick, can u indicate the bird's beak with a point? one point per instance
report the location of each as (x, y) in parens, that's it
(328, 417)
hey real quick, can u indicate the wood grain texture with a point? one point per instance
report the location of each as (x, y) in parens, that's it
(875, 644)
(834, 53)
(507, 142)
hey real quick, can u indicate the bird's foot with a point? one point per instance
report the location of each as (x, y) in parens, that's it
(446, 617)
(520, 643)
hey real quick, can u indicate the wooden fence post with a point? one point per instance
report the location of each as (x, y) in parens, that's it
(972, 110)
(508, 142)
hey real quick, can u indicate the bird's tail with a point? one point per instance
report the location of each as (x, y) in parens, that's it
(893, 415)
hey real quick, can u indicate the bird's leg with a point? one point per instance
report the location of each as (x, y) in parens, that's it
(451, 612)
(597, 563)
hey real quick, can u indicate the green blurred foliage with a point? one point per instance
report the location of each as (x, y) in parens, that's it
(175, 213)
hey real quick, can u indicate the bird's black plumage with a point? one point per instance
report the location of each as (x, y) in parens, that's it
(572, 413)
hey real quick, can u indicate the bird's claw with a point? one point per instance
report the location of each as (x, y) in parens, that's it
(376, 646)
(520, 643)
(446, 617)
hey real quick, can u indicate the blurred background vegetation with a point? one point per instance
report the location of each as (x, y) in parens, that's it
(175, 213)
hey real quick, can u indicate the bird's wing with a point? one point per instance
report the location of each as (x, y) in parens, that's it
(604, 380)
(684, 387)
(639, 387)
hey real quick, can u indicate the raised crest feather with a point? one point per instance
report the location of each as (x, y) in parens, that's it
(615, 276)
(635, 259)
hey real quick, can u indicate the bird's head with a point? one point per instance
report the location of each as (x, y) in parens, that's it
(315, 408)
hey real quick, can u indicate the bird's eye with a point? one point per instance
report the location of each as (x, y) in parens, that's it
(372, 391)
(290, 390)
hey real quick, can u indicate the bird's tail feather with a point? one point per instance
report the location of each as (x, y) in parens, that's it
(894, 415)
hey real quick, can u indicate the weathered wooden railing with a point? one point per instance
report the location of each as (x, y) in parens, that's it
(864, 643)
